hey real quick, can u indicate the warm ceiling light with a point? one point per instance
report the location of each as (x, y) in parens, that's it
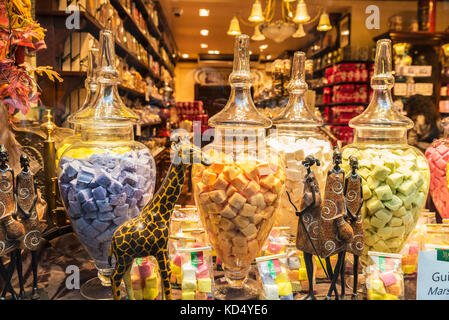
(263, 47)
(301, 15)
(234, 27)
(269, 57)
(250, 52)
(217, 52)
(299, 32)
(214, 52)
(204, 32)
(257, 36)
(256, 12)
(204, 45)
(324, 24)
(185, 56)
(204, 12)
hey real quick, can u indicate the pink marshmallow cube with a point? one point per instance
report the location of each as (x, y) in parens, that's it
(388, 278)
(177, 260)
(202, 271)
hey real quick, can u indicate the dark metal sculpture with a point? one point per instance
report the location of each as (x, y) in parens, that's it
(11, 231)
(307, 239)
(353, 202)
(26, 199)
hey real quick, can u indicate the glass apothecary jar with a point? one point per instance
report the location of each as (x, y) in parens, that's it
(239, 194)
(437, 155)
(91, 89)
(395, 175)
(295, 137)
(106, 178)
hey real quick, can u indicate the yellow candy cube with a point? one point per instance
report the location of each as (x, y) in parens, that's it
(138, 294)
(378, 286)
(150, 293)
(372, 295)
(303, 274)
(281, 277)
(409, 269)
(188, 295)
(389, 296)
(151, 282)
(204, 285)
(285, 288)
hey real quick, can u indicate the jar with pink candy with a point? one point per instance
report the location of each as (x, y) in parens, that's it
(437, 155)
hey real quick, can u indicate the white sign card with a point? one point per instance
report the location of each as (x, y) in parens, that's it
(433, 277)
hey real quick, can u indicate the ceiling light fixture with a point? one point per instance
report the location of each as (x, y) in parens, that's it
(204, 45)
(324, 24)
(257, 36)
(185, 56)
(213, 52)
(234, 27)
(256, 12)
(268, 57)
(299, 32)
(204, 32)
(301, 15)
(263, 47)
(204, 12)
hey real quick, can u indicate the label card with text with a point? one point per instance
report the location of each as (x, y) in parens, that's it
(433, 277)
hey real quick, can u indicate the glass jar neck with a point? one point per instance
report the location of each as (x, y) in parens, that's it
(380, 136)
(106, 133)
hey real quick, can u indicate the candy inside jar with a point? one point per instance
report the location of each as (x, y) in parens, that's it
(238, 195)
(437, 155)
(295, 137)
(395, 175)
(106, 178)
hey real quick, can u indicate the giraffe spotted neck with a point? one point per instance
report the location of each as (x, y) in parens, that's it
(166, 197)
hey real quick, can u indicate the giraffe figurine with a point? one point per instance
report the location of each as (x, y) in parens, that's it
(147, 234)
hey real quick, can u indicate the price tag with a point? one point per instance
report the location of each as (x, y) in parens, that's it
(400, 89)
(415, 71)
(425, 89)
(433, 275)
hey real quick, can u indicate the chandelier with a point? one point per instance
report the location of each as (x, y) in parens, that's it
(291, 24)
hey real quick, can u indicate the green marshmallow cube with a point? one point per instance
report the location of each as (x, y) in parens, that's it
(366, 192)
(418, 179)
(394, 180)
(365, 163)
(419, 199)
(407, 220)
(372, 182)
(384, 192)
(393, 243)
(398, 231)
(407, 200)
(377, 223)
(371, 239)
(384, 215)
(374, 205)
(385, 232)
(394, 203)
(380, 172)
(407, 187)
(364, 173)
(381, 246)
(400, 212)
(395, 222)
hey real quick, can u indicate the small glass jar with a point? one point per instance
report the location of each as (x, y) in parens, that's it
(395, 175)
(295, 137)
(91, 89)
(106, 178)
(437, 155)
(239, 193)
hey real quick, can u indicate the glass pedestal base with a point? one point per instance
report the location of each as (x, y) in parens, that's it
(94, 289)
(249, 290)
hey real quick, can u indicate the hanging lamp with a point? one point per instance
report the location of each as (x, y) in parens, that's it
(324, 24)
(299, 32)
(301, 15)
(256, 12)
(234, 27)
(257, 36)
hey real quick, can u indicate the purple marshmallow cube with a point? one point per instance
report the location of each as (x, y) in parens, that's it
(138, 194)
(120, 220)
(128, 165)
(80, 224)
(115, 187)
(121, 211)
(129, 178)
(104, 179)
(99, 193)
(100, 225)
(128, 190)
(91, 215)
(117, 199)
(107, 235)
(106, 216)
(84, 195)
(86, 175)
(104, 205)
(131, 202)
(74, 209)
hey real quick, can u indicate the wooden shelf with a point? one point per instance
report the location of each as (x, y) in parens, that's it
(341, 83)
(342, 104)
(132, 27)
(418, 37)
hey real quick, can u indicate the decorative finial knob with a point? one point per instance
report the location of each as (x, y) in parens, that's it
(49, 126)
